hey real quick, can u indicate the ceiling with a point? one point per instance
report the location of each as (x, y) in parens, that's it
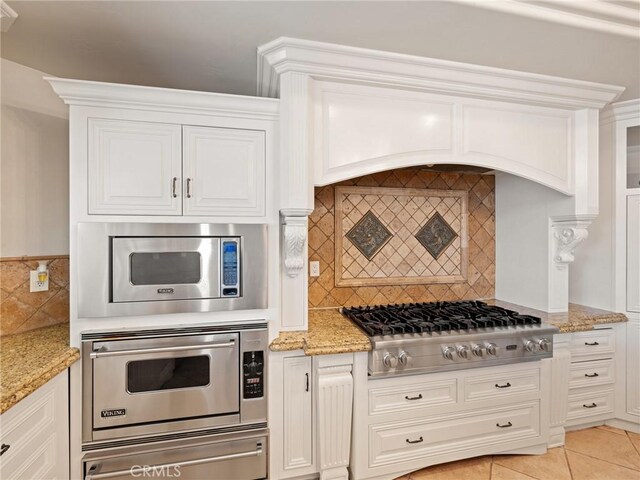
(211, 46)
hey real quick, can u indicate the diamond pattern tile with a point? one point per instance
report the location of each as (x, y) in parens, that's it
(436, 236)
(480, 276)
(368, 235)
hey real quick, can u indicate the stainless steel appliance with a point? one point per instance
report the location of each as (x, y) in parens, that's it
(440, 336)
(150, 382)
(237, 456)
(151, 268)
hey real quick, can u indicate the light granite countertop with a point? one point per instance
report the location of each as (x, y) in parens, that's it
(29, 360)
(578, 319)
(330, 332)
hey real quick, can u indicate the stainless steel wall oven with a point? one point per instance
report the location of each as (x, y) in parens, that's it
(150, 268)
(185, 397)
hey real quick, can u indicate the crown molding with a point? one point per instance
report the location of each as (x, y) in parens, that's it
(359, 65)
(114, 95)
(593, 15)
(7, 16)
(621, 111)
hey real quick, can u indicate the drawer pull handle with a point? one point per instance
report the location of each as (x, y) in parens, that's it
(420, 440)
(506, 385)
(419, 397)
(507, 425)
(4, 448)
(593, 405)
(592, 344)
(591, 375)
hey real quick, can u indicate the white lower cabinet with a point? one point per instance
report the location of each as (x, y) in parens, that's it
(35, 434)
(421, 420)
(298, 428)
(591, 377)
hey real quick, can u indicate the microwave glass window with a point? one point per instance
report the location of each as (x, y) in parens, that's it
(165, 268)
(168, 374)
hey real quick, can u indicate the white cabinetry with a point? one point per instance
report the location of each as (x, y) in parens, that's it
(134, 168)
(142, 168)
(224, 171)
(591, 377)
(633, 253)
(35, 434)
(415, 421)
(298, 428)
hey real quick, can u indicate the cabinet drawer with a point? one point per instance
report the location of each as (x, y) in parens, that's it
(592, 373)
(589, 404)
(402, 441)
(501, 385)
(592, 343)
(407, 397)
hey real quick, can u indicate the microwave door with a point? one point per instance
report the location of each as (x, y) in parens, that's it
(165, 268)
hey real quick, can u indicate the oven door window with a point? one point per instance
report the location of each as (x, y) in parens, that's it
(165, 268)
(168, 374)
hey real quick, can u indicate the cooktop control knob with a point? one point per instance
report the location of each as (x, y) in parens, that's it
(463, 351)
(492, 349)
(447, 352)
(477, 350)
(389, 360)
(403, 358)
(544, 344)
(531, 346)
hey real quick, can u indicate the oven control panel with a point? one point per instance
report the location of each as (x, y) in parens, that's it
(253, 374)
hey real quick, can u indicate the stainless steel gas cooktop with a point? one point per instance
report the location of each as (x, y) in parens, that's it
(440, 336)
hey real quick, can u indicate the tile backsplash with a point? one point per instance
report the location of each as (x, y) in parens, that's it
(408, 235)
(22, 310)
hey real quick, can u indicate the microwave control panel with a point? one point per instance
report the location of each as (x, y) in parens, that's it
(253, 374)
(230, 268)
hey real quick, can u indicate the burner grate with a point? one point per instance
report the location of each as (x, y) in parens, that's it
(427, 318)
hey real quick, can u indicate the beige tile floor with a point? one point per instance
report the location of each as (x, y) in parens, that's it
(600, 453)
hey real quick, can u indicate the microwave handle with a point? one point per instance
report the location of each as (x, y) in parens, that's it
(187, 463)
(138, 351)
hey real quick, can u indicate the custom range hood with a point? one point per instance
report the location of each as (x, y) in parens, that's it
(348, 112)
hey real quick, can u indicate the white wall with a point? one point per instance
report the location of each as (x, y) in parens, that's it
(34, 165)
(523, 243)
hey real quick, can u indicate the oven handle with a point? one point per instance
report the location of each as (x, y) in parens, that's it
(138, 351)
(188, 463)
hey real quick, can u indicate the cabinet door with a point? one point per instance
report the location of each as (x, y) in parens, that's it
(633, 253)
(224, 171)
(298, 440)
(35, 434)
(134, 168)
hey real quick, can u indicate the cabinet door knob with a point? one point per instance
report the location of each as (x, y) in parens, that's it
(4, 448)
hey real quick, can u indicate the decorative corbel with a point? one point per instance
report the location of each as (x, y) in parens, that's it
(294, 229)
(567, 235)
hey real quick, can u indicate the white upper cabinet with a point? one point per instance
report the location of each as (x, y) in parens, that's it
(224, 171)
(134, 168)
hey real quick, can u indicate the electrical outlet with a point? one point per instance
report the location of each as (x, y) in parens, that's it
(35, 285)
(314, 268)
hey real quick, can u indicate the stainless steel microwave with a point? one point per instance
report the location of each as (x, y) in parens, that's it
(147, 268)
